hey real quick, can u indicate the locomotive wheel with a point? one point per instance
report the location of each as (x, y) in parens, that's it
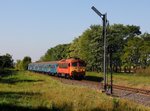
(68, 76)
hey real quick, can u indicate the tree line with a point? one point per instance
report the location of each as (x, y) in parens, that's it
(6, 61)
(23, 64)
(130, 48)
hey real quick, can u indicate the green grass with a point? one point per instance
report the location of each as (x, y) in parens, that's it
(32, 91)
(126, 79)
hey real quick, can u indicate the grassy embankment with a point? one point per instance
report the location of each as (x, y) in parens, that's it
(32, 91)
(125, 79)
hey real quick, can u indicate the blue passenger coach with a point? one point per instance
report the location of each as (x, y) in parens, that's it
(46, 67)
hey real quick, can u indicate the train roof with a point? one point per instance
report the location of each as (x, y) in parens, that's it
(71, 60)
(47, 62)
(60, 61)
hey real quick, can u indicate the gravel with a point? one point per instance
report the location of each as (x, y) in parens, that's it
(136, 97)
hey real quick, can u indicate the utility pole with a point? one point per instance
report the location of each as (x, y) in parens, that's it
(104, 19)
(111, 70)
(104, 39)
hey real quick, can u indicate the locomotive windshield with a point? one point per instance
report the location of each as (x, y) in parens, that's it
(74, 64)
(82, 64)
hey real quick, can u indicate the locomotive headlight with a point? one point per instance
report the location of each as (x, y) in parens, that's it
(83, 69)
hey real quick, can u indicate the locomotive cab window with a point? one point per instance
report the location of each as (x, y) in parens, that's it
(74, 64)
(69, 65)
(82, 64)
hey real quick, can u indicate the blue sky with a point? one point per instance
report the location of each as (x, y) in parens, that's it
(31, 27)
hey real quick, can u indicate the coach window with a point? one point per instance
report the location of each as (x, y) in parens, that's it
(74, 64)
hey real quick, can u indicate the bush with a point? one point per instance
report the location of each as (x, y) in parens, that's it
(145, 72)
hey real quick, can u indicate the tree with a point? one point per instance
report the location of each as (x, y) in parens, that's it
(56, 53)
(6, 61)
(88, 47)
(118, 36)
(18, 65)
(24, 63)
(145, 50)
(131, 56)
(96, 48)
(74, 49)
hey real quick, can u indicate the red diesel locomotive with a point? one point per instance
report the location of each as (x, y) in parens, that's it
(72, 67)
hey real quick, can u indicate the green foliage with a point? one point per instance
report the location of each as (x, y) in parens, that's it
(145, 50)
(131, 54)
(74, 49)
(129, 48)
(137, 52)
(89, 47)
(26, 60)
(118, 36)
(23, 64)
(18, 65)
(6, 61)
(56, 53)
(96, 48)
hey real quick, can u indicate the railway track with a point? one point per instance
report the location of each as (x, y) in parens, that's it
(96, 85)
(140, 96)
(135, 90)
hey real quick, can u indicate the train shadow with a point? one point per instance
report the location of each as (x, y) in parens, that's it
(5, 73)
(15, 80)
(13, 95)
(13, 107)
(94, 78)
(14, 101)
(7, 78)
(8, 105)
